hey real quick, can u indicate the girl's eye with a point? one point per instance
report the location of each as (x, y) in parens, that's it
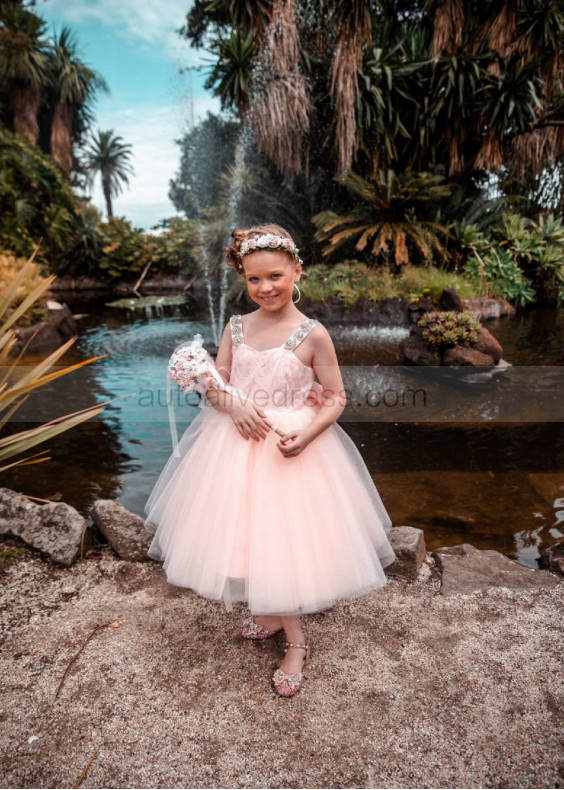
(276, 275)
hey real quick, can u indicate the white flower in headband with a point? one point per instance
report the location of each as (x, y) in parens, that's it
(269, 241)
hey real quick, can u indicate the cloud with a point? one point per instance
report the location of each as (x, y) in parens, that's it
(154, 23)
(156, 158)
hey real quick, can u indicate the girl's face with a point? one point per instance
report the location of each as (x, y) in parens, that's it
(270, 277)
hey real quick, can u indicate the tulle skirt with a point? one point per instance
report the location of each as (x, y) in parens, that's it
(234, 519)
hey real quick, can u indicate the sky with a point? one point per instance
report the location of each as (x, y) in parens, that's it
(134, 46)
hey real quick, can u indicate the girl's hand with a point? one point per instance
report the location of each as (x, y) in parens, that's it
(249, 419)
(293, 442)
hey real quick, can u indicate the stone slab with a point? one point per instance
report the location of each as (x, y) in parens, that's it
(466, 569)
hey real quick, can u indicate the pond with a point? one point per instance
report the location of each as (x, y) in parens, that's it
(479, 464)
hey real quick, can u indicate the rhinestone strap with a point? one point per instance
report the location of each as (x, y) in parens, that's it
(236, 329)
(300, 334)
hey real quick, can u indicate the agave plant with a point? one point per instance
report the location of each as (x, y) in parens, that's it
(14, 391)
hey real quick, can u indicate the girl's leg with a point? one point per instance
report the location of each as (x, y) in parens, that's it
(294, 658)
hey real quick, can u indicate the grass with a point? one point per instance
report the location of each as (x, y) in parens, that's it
(351, 281)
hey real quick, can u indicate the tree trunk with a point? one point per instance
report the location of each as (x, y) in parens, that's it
(61, 141)
(108, 196)
(25, 101)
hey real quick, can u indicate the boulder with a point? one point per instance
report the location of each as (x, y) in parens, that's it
(487, 344)
(47, 335)
(460, 355)
(62, 319)
(41, 337)
(417, 351)
(466, 569)
(553, 558)
(486, 308)
(450, 300)
(408, 544)
(124, 531)
(417, 309)
(55, 529)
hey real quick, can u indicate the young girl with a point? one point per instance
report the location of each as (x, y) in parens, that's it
(288, 523)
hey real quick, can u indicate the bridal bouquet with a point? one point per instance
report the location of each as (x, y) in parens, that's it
(191, 367)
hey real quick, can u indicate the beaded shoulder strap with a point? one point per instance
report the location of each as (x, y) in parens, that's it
(236, 324)
(300, 334)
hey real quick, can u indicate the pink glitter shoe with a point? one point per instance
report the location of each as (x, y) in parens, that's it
(287, 684)
(252, 630)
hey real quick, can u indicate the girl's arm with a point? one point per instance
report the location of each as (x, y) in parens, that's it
(326, 367)
(248, 417)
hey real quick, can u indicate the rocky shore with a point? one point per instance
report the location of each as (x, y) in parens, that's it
(448, 676)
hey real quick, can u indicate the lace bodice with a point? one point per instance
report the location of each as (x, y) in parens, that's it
(274, 378)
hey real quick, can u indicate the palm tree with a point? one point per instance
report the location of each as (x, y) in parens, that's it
(109, 156)
(23, 66)
(384, 220)
(352, 20)
(231, 75)
(74, 85)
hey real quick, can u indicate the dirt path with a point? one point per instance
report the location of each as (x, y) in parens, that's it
(405, 688)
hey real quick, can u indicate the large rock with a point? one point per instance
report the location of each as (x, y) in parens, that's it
(418, 308)
(486, 308)
(553, 558)
(487, 344)
(416, 351)
(450, 300)
(409, 545)
(62, 319)
(123, 530)
(47, 335)
(55, 529)
(460, 355)
(466, 569)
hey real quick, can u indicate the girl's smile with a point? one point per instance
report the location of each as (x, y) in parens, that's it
(270, 277)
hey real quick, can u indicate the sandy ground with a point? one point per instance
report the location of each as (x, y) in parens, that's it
(405, 688)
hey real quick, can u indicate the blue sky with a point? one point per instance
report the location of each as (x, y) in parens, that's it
(134, 46)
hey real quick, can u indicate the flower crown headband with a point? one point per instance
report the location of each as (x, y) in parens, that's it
(269, 241)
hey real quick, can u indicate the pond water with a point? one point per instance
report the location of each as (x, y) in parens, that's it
(481, 464)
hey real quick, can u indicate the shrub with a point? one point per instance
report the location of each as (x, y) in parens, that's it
(444, 329)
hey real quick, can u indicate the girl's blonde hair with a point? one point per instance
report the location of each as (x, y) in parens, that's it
(233, 255)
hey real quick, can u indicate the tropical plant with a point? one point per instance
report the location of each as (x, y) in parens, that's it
(36, 201)
(500, 272)
(108, 155)
(423, 86)
(15, 387)
(388, 218)
(74, 86)
(230, 76)
(23, 66)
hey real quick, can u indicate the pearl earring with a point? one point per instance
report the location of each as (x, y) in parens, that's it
(295, 301)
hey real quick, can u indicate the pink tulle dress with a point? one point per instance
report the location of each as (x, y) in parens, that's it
(234, 519)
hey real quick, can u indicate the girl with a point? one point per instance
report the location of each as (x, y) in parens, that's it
(288, 523)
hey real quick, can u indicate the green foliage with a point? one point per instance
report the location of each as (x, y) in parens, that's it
(444, 329)
(518, 259)
(351, 281)
(35, 201)
(388, 220)
(207, 150)
(126, 250)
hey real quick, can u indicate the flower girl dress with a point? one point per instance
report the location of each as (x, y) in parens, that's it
(234, 519)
